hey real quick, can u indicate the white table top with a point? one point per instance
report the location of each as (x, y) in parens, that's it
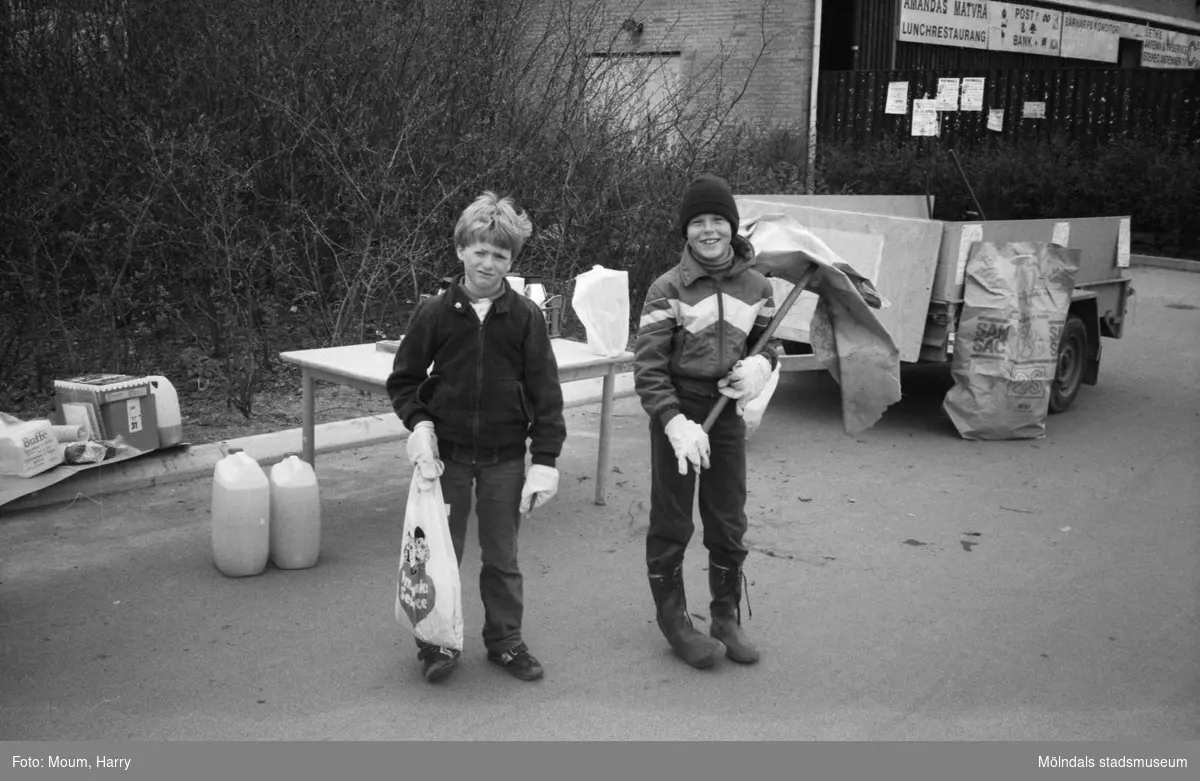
(368, 363)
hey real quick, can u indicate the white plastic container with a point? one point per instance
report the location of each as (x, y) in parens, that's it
(166, 407)
(295, 514)
(241, 511)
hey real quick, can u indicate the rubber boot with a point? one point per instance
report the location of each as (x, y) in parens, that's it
(689, 644)
(725, 583)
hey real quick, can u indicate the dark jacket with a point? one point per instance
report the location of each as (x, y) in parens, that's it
(493, 385)
(695, 327)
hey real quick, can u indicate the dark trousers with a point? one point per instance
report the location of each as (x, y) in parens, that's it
(497, 488)
(722, 491)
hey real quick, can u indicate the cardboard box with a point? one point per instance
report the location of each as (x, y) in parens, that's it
(112, 405)
(28, 448)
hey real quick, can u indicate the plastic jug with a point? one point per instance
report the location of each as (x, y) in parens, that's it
(241, 510)
(166, 407)
(295, 514)
(601, 301)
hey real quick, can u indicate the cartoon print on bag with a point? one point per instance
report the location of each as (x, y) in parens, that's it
(415, 590)
(1027, 341)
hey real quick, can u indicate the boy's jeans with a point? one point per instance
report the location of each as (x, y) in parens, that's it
(722, 490)
(497, 498)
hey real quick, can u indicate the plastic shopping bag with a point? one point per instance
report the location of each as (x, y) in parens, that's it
(428, 590)
(752, 413)
(601, 301)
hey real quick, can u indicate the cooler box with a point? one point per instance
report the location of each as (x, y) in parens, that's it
(111, 405)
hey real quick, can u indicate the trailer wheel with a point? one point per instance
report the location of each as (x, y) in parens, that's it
(1072, 355)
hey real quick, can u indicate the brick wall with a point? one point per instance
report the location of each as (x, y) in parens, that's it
(706, 32)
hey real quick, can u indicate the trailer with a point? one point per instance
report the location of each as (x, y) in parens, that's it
(917, 264)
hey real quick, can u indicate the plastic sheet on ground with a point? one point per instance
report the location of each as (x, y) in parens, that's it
(13, 488)
(847, 339)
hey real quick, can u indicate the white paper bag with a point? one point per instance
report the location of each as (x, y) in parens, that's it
(428, 590)
(1016, 300)
(601, 301)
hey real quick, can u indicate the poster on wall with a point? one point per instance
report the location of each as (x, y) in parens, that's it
(947, 95)
(1025, 29)
(944, 23)
(972, 94)
(1033, 109)
(924, 117)
(897, 98)
(996, 120)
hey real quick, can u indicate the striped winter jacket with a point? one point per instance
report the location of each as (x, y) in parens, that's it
(695, 327)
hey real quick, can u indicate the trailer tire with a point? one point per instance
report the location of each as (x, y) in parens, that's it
(1072, 357)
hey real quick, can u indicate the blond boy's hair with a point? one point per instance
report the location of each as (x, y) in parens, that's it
(495, 220)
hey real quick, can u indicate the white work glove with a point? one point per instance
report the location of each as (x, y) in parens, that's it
(747, 379)
(541, 484)
(423, 453)
(690, 442)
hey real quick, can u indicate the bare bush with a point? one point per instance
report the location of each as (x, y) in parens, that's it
(190, 187)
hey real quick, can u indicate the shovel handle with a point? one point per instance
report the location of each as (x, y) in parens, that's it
(780, 313)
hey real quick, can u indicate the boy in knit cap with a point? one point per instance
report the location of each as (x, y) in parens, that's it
(698, 321)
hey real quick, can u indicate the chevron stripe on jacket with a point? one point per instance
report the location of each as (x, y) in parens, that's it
(695, 327)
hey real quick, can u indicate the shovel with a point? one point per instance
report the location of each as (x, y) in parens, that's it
(801, 283)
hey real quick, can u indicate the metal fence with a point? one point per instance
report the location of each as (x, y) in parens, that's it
(1087, 105)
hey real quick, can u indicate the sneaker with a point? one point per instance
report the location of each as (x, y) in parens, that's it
(439, 662)
(519, 663)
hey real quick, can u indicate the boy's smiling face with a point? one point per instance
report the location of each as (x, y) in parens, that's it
(709, 236)
(485, 266)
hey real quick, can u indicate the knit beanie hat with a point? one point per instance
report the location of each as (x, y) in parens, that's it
(707, 195)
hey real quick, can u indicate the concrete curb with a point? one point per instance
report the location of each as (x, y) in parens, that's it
(1176, 264)
(172, 466)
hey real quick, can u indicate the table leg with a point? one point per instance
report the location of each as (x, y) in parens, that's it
(308, 446)
(606, 405)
